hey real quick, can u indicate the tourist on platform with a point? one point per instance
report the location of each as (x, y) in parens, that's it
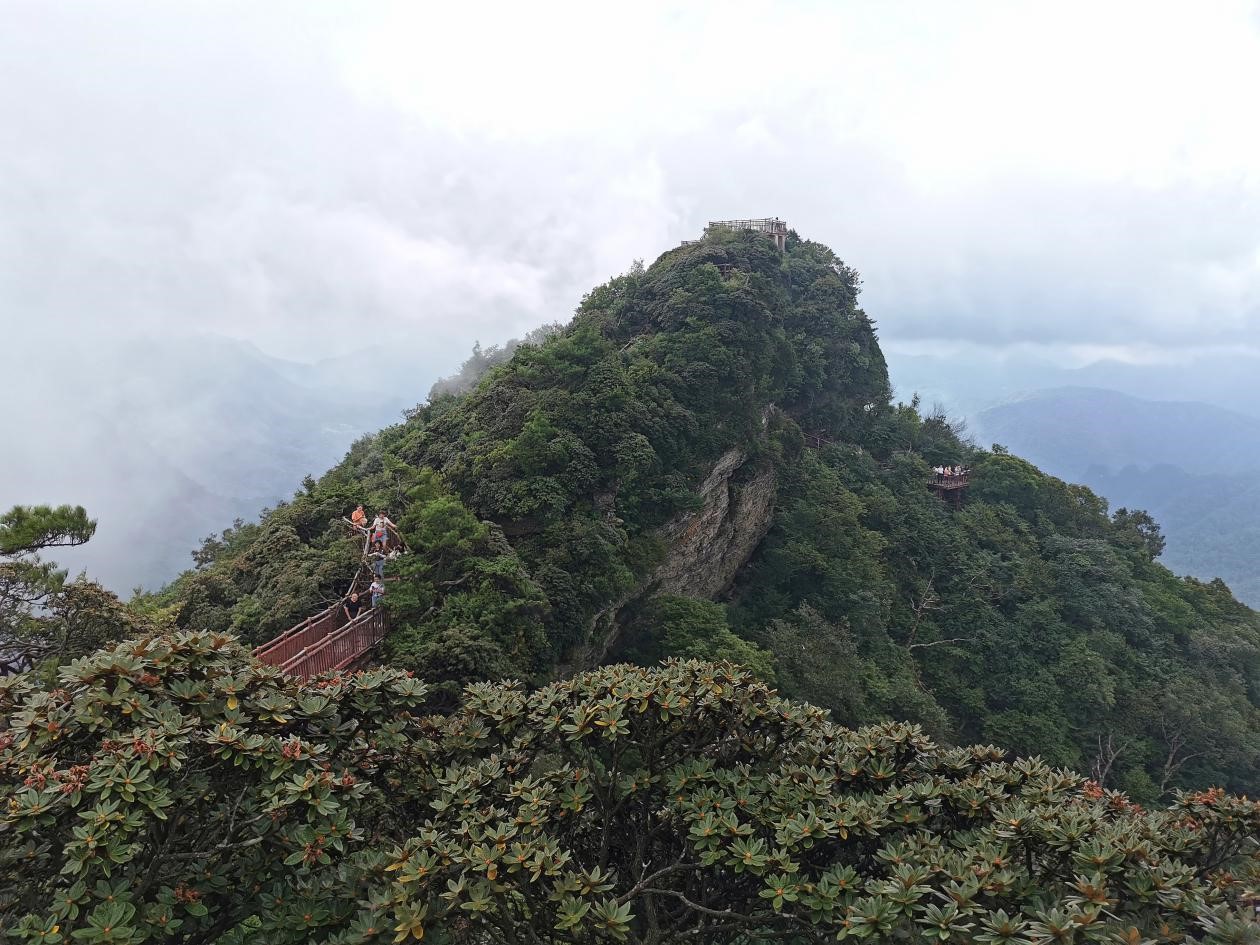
(377, 590)
(358, 518)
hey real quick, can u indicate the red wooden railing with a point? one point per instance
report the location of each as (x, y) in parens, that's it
(342, 648)
(959, 481)
(328, 641)
(325, 642)
(310, 631)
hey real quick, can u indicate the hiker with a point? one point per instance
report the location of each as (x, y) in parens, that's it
(380, 530)
(352, 606)
(378, 564)
(358, 518)
(378, 591)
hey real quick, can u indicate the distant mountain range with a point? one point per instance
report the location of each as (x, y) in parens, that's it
(970, 383)
(165, 441)
(1076, 429)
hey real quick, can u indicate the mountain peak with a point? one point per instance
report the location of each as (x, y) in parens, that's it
(707, 462)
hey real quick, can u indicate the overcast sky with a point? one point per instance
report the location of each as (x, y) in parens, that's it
(1080, 176)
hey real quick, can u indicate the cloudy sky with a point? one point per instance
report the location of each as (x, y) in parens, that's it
(1017, 182)
(1079, 176)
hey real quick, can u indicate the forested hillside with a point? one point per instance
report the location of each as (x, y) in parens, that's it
(707, 463)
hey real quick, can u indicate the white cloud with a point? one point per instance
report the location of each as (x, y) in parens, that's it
(1067, 182)
(1070, 174)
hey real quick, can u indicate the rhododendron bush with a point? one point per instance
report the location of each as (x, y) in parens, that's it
(172, 791)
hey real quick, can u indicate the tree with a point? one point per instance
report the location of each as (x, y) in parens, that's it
(28, 529)
(464, 608)
(688, 628)
(169, 789)
(29, 586)
(1137, 528)
(817, 661)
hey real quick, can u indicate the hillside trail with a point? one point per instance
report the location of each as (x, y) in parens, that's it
(327, 641)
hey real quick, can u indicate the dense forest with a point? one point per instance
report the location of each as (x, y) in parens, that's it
(707, 462)
(684, 650)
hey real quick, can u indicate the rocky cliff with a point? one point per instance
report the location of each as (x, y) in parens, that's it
(708, 546)
(704, 548)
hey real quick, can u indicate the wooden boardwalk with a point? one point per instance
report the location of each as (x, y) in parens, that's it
(328, 642)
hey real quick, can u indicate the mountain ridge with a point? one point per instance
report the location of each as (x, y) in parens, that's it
(542, 505)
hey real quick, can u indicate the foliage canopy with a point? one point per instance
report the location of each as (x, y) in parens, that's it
(170, 790)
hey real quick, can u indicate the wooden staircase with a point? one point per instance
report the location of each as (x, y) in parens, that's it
(325, 642)
(328, 642)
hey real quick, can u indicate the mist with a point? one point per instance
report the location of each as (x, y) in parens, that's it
(235, 237)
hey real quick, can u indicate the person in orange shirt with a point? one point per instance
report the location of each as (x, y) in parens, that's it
(358, 517)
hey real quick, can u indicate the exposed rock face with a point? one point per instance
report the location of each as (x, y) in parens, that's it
(707, 547)
(704, 549)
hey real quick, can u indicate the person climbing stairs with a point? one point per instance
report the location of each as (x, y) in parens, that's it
(342, 635)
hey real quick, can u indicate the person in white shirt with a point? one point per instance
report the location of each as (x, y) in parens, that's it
(380, 530)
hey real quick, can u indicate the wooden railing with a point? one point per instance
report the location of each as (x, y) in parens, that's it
(310, 631)
(771, 225)
(342, 648)
(325, 642)
(959, 481)
(328, 641)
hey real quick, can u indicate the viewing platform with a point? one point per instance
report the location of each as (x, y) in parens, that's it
(772, 227)
(950, 487)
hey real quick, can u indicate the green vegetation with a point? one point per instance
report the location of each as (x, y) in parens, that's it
(1028, 618)
(169, 790)
(546, 506)
(45, 618)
